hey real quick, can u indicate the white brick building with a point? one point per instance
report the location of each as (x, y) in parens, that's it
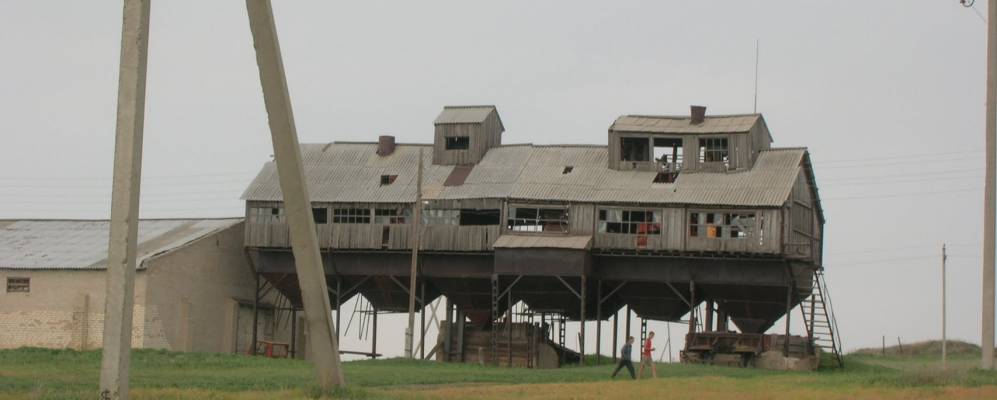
(193, 289)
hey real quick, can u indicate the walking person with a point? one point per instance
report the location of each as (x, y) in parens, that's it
(645, 357)
(625, 358)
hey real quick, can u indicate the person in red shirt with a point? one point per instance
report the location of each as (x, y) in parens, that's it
(645, 357)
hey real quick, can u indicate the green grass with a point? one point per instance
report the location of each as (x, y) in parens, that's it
(60, 374)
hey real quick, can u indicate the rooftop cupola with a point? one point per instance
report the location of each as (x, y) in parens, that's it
(465, 133)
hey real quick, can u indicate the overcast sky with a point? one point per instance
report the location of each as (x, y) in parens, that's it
(888, 96)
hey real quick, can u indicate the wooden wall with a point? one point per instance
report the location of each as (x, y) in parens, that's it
(802, 232)
(483, 136)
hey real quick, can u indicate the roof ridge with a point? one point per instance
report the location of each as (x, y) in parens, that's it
(689, 117)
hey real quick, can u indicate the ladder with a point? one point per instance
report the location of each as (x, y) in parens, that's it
(818, 317)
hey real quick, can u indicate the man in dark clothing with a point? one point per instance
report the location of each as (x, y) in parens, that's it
(625, 358)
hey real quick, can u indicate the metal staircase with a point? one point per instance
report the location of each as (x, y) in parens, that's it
(818, 317)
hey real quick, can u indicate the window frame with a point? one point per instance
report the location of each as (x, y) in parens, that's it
(714, 149)
(392, 216)
(540, 222)
(18, 284)
(460, 142)
(626, 223)
(351, 215)
(725, 224)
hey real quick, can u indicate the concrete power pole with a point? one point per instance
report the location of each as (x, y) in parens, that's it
(416, 220)
(123, 235)
(304, 244)
(944, 311)
(989, 197)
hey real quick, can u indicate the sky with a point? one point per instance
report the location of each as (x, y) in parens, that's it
(887, 95)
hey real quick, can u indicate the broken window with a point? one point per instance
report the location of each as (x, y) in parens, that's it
(538, 219)
(262, 215)
(633, 222)
(391, 216)
(480, 217)
(668, 154)
(458, 142)
(388, 179)
(714, 150)
(440, 217)
(728, 225)
(351, 216)
(634, 149)
(18, 285)
(320, 215)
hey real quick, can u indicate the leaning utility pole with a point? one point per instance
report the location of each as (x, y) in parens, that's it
(123, 235)
(414, 240)
(989, 197)
(944, 310)
(287, 153)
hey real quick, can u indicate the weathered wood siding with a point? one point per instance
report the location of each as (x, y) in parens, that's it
(765, 238)
(803, 227)
(671, 237)
(267, 231)
(582, 218)
(482, 136)
(459, 238)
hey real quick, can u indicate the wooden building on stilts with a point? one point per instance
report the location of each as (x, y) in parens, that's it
(693, 218)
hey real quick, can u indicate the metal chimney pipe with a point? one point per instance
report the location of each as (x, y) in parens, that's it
(698, 114)
(385, 145)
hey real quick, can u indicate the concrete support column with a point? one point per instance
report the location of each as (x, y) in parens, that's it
(323, 345)
(123, 235)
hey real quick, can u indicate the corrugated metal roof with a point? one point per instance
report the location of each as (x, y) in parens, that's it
(463, 114)
(677, 124)
(82, 245)
(544, 242)
(527, 172)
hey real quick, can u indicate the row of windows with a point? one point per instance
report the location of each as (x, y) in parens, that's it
(668, 151)
(551, 219)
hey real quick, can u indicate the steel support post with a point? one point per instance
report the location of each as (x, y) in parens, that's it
(627, 328)
(123, 235)
(256, 316)
(708, 318)
(373, 342)
(339, 305)
(616, 326)
(692, 307)
(322, 344)
(581, 344)
(789, 302)
(508, 326)
(449, 330)
(294, 332)
(495, 317)
(598, 322)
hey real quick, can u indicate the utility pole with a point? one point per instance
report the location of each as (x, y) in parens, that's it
(944, 340)
(414, 240)
(322, 340)
(123, 231)
(989, 196)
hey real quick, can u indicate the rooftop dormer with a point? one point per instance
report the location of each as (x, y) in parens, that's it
(670, 144)
(465, 133)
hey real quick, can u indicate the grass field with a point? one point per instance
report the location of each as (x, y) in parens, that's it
(66, 374)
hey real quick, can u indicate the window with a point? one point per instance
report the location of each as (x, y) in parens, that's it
(668, 154)
(633, 149)
(721, 225)
(320, 215)
(351, 216)
(713, 150)
(639, 222)
(440, 217)
(480, 217)
(538, 219)
(391, 216)
(388, 179)
(18, 285)
(458, 143)
(266, 214)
